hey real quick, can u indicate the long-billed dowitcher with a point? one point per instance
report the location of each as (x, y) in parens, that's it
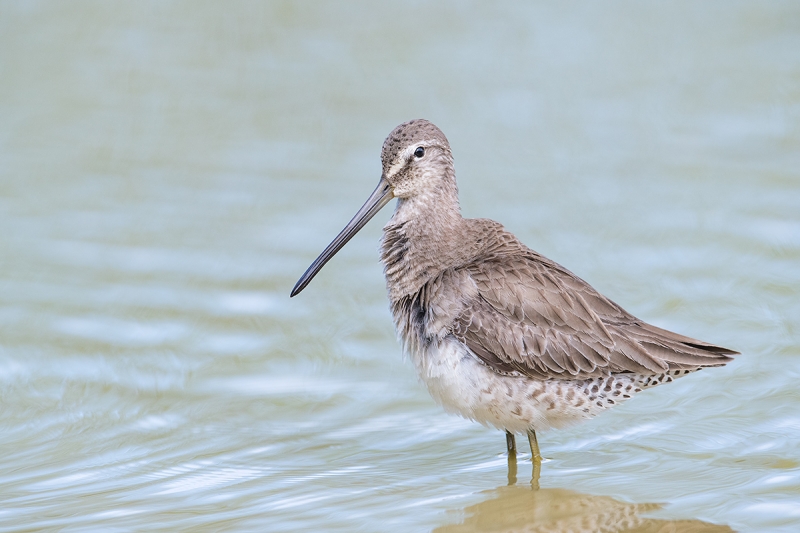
(499, 333)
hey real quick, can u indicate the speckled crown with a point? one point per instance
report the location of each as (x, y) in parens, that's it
(408, 133)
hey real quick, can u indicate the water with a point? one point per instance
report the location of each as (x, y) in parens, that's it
(168, 170)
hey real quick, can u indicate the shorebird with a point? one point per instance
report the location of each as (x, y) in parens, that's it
(499, 333)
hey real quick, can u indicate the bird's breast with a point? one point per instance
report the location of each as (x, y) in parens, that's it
(427, 315)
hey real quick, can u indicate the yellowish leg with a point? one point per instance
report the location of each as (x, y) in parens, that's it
(535, 454)
(511, 443)
(536, 459)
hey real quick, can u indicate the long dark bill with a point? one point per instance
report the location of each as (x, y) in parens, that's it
(381, 196)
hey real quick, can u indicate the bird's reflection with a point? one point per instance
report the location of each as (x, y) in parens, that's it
(531, 509)
(536, 463)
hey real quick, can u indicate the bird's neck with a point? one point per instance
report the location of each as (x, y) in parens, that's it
(418, 242)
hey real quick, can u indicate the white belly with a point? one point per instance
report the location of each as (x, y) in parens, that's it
(462, 385)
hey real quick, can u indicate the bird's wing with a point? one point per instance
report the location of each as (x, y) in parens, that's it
(533, 316)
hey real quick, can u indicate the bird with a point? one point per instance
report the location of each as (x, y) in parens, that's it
(497, 332)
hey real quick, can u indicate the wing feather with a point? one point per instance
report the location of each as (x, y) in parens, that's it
(533, 316)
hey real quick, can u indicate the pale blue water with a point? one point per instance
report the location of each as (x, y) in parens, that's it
(168, 170)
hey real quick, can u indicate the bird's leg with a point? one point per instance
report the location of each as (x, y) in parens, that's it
(536, 456)
(536, 459)
(511, 443)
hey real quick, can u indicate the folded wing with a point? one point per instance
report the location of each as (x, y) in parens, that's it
(532, 316)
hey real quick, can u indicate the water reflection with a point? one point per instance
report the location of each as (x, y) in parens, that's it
(536, 470)
(521, 508)
(531, 508)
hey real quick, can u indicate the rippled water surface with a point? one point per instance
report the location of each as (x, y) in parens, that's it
(168, 170)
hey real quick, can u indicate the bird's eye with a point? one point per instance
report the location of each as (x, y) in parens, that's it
(419, 152)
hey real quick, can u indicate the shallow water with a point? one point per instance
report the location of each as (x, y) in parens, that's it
(168, 170)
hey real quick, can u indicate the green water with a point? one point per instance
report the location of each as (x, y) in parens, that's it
(168, 170)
